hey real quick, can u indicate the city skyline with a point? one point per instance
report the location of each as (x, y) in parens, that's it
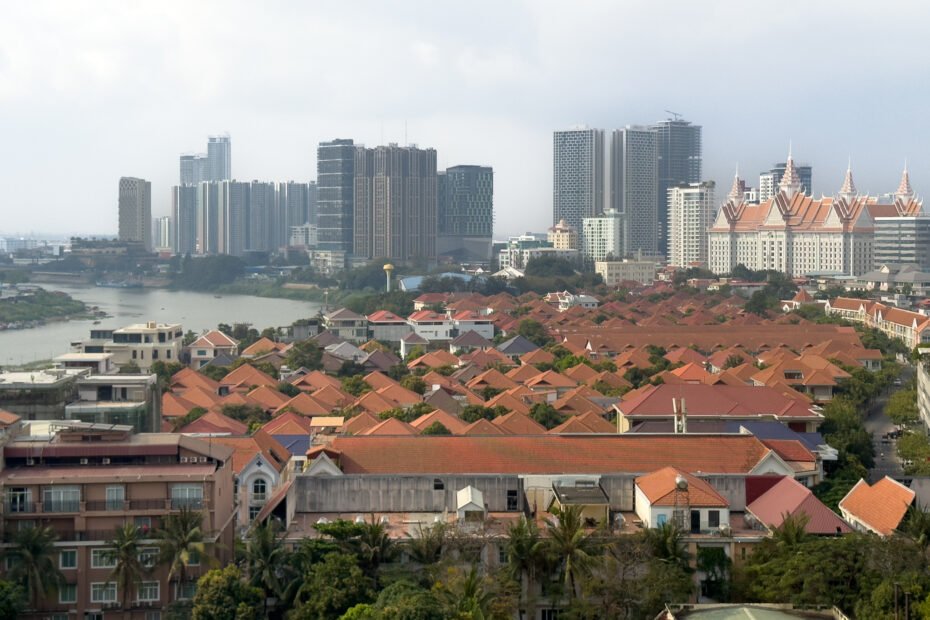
(487, 94)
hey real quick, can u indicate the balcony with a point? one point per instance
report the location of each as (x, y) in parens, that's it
(109, 505)
(178, 503)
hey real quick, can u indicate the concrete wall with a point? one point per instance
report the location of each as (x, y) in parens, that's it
(365, 494)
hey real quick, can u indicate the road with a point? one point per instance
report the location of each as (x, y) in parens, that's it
(887, 462)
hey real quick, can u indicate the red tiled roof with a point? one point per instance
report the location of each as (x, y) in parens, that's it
(790, 497)
(186, 378)
(262, 345)
(716, 401)
(453, 424)
(247, 376)
(214, 422)
(213, 338)
(518, 423)
(661, 489)
(245, 449)
(316, 380)
(790, 450)
(483, 427)
(305, 404)
(385, 316)
(550, 454)
(357, 425)
(881, 507)
(427, 315)
(288, 423)
(391, 426)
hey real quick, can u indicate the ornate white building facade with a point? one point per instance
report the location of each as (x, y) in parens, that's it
(800, 235)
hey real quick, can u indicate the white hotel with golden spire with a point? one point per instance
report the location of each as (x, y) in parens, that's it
(800, 235)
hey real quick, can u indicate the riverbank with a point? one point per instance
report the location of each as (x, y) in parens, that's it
(265, 288)
(37, 307)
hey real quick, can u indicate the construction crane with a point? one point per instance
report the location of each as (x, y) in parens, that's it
(675, 115)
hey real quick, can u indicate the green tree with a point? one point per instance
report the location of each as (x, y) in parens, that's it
(222, 594)
(288, 389)
(180, 542)
(466, 594)
(123, 552)
(436, 428)
(414, 384)
(571, 546)
(164, 371)
(534, 331)
(427, 545)
(545, 414)
(356, 385)
(268, 562)
(666, 543)
(130, 368)
(33, 563)
(12, 600)
(473, 413)
(374, 546)
(526, 557)
(305, 354)
(331, 587)
(901, 407)
(549, 266)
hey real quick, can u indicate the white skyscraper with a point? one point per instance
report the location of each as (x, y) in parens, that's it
(192, 169)
(602, 236)
(135, 211)
(690, 215)
(164, 233)
(578, 175)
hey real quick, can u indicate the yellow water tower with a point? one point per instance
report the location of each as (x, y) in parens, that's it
(388, 270)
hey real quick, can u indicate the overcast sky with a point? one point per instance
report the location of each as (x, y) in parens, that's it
(91, 91)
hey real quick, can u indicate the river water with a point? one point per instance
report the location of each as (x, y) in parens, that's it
(195, 311)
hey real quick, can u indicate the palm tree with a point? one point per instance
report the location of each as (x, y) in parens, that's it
(34, 566)
(179, 539)
(666, 544)
(375, 546)
(792, 531)
(467, 596)
(268, 561)
(569, 544)
(123, 552)
(426, 547)
(525, 555)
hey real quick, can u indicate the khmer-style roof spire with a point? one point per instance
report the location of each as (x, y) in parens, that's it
(736, 191)
(904, 189)
(849, 188)
(790, 182)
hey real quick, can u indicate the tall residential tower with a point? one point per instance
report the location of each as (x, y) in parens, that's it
(135, 211)
(465, 212)
(335, 176)
(577, 175)
(680, 161)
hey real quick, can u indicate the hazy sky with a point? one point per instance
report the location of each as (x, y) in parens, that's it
(91, 91)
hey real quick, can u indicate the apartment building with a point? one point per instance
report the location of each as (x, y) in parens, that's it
(140, 343)
(86, 480)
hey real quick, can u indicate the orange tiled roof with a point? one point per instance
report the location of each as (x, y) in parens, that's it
(661, 488)
(453, 424)
(550, 454)
(518, 423)
(288, 423)
(247, 376)
(881, 506)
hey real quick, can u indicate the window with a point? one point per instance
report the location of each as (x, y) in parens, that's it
(168, 355)
(153, 615)
(186, 496)
(144, 524)
(148, 591)
(61, 499)
(135, 354)
(102, 558)
(661, 520)
(148, 556)
(58, 617)
(438, 484)
(512, 500)
(116, 496)
(259, 490)
(154, 354)
(10, 562)
(713, 518)
(103, 593)
(549, 614)
(19, 499)
(193, 558)
(67, 559)
(253, 512)
(201, 353)
(186, 590)
(67, 593)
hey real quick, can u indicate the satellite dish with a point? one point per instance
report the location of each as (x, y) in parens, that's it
(681, 482)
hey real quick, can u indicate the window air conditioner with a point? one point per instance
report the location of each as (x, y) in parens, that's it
(106, 460)
(84, 461)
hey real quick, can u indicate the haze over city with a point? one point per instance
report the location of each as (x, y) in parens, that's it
(95, 91)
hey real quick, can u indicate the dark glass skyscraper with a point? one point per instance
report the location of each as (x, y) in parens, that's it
(335, 176)
(395, 202)
(465, 210)
(679, 162)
